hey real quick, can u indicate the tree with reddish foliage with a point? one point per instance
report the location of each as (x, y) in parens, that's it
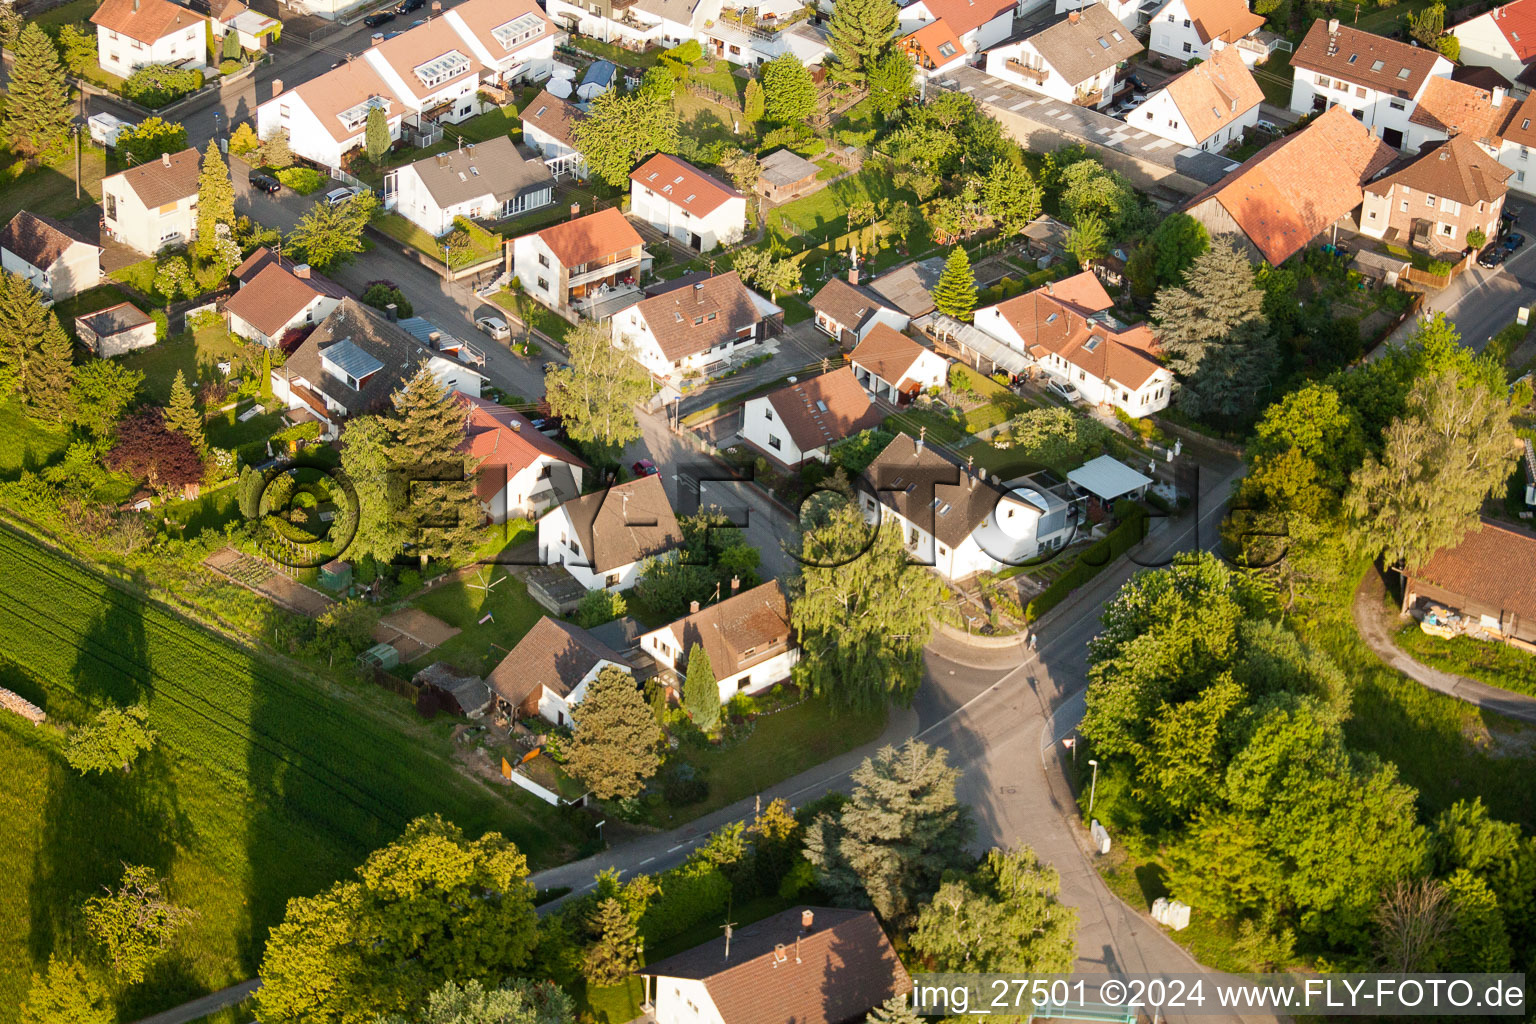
(145, 448)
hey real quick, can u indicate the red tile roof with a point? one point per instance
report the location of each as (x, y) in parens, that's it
(683, 185)
(1215, 93)
(498, 439)
(1281, 201)
(1049, 322)
(40, 240)
(1491, 568)
(965, 15)
(1354, 56)
(554, 655)
(886, 353)
(1517, 22)
(593, 237)
(148, 21)
(693, 319)
(169, 179)
(935, 44)
(1227, 20)
(1457, 108)
(823, 410)
(737, 633)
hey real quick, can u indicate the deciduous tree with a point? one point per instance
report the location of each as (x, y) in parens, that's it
(215, 203)
(146, 449)
(1005, 917)
(744, 169)
(701, 692)
(789, 93)
(614, 746)
(329, 236)
(276, 152)
(103, 390)
(68, 993)
(149, 139)
(615, 954)
(955, 292)
(521, 1001)
(112, 742)
(596, 392)
(1010, 194)
(901, 829)
(135, 923)
(621, 130)
(37, 109)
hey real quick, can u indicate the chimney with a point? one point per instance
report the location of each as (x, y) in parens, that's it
(517, 426)
(392, 312)
(853, 274)
(807, 919)
(735, 584)
(693, 607)
(698, 291)
(277, 87)
(1498, 95)
(165, 160)
(434, 338)
(135, 6)
(1333, 26)
(1073, 17)
(301, 271)
(437, 6)
(575, 209)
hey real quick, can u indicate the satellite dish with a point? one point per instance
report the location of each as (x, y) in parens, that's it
(560, 88)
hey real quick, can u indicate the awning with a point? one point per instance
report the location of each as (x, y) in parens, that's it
(1107, 479)
(966, 337)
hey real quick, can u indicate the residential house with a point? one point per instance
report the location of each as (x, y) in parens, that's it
(602, 538)
(548, 672)
(1449, 108)
(807, 965)
(1194, 29)
(547, 124)
(785, 175)
(441, 72)
(253, 30)
(519, 472)
(934, 48)
(975, 24)
(1074, 59)
(682, 202)
(1488, 576)
(1278, 202)
(893, 367)
(801, 422)
(754, 44)
(116, 330)
(847, 311)
(1065, 329)
(1503, 39)
(1377, 80)
(909, 287)
(1206, 107)
(588, 265)
(276, 296)
(747, 637)
(54, 258)
(1133, 14)
(1452, 189)
(953, 518)
(133, 33)
(480, 181)
(637, 24)
(695, 323)
(351, 364)
(154, 205)
(1517, 146)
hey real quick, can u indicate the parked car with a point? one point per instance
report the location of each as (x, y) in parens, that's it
(645, 467)
(1265, 125)
(265, 183)
(337, 196)
(1491, 257)
(381, 18)
(407, 6)
(495, 326)
(1066, 389)
(1136, 83)
(1513, 241)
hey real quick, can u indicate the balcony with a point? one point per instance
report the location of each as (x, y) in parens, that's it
(586, 273)
(1018, 67)
(1089, 99)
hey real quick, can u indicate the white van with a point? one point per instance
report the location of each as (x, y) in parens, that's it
(105, 128)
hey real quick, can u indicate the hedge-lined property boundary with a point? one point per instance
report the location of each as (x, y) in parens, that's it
(1132, 528)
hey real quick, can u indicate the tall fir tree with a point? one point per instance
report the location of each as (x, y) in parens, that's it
(376, 136)
(441, 512)
(181, 413)
(701, 692)
(893, 1011)
(36, 355)
(37, 111)
(615, 954)
(752, 103)
(366, 460)
(859, 33)
(614, 748)
(215, 202)
(955, 293)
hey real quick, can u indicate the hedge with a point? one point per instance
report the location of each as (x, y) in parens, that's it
(1092, 560)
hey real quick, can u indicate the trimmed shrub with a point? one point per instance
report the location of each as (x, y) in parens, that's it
(156, 85)
(1092, 560)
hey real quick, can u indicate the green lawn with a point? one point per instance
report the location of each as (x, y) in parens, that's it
(88, 301)
(265, 784)
(535, 315)
(617, 54)
(196, 354)
(66, 14)
(480, 648)
(940, 428)
(483, 244)
(781, 745)
(722, 78)
(25, 444)
(705, 121)
(829, 169)
(49, 188)
(1274, 77)
(224, 429)
(1493, 663)
(823, 214)
(140, 277)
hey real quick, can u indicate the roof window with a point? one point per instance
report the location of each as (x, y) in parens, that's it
(944, 509)
(1104, 42)
(1403, 74)
(1052, 318)
(821, 405)
(1117, 37)
(1377, 65)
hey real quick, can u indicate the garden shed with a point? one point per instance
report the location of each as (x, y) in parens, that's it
(336, 575)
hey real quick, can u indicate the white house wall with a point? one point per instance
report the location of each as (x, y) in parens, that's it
(760, 424)
(129, 221)
(1379, 111)
(78, 270)
(1482, 43)
(1161, 116)
(558, 546)
(1173, 34)
(684, 1001)
(120, 55)
(722, 226)
(513, 499)
(1054, 85)
(543, 282)
(760, 677)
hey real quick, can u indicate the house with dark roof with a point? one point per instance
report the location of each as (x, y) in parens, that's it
(54, 258)
(848, 311)
(954, 518)
(153, 206)
(487, 180)
(807, 965)
(1066, 331)
(518, 471)
(590, 265)
(1378, 81)
(116, 329)
(747, 637)
(351, 364)
(1074, 59)
(1276, 203)
(548, 672)
(277, 295)
(1434, 202)
(547, 124)
(909, 287)
(1503, 39)
(803, 420)
(704, 322)
(133, 33)
(683, 202)
(602, 538)
(1488, 576)
(893, 367)
(1195, 29)
(1206, 107)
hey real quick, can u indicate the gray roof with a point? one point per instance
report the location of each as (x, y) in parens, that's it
(493, 168)
(600, 73)
(351, 359)
(908, 287)
(1082, 46)
(785, 168)
(124, 316)
(422, 330)
(680, 11)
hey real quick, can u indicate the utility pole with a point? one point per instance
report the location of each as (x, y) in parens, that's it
(1093, 789)
(75, 130)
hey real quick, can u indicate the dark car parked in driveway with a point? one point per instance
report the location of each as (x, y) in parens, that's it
(265, 183)
(382, 18)
(1492, 257)
(407, 6)
(1513, 241)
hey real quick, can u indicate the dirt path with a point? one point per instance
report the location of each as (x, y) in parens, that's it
(1376, 629)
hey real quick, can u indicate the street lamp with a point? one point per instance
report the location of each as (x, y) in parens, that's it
(1094, 788)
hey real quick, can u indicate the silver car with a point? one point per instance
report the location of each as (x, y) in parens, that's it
(1066, 389)
(495, 326)
(337, 196)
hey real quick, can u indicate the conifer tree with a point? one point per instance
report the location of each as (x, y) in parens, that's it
(752, 103)
(859, 32)
(613, 750)
(616, 953)
(893, 1011)
(701, 692)
(37, 111)
(441, 512)
(35, 353)
(215, 202)
(376, 135)
(181, 414)
(955, 293)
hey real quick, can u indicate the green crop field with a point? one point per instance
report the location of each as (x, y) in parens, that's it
(263, 786)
